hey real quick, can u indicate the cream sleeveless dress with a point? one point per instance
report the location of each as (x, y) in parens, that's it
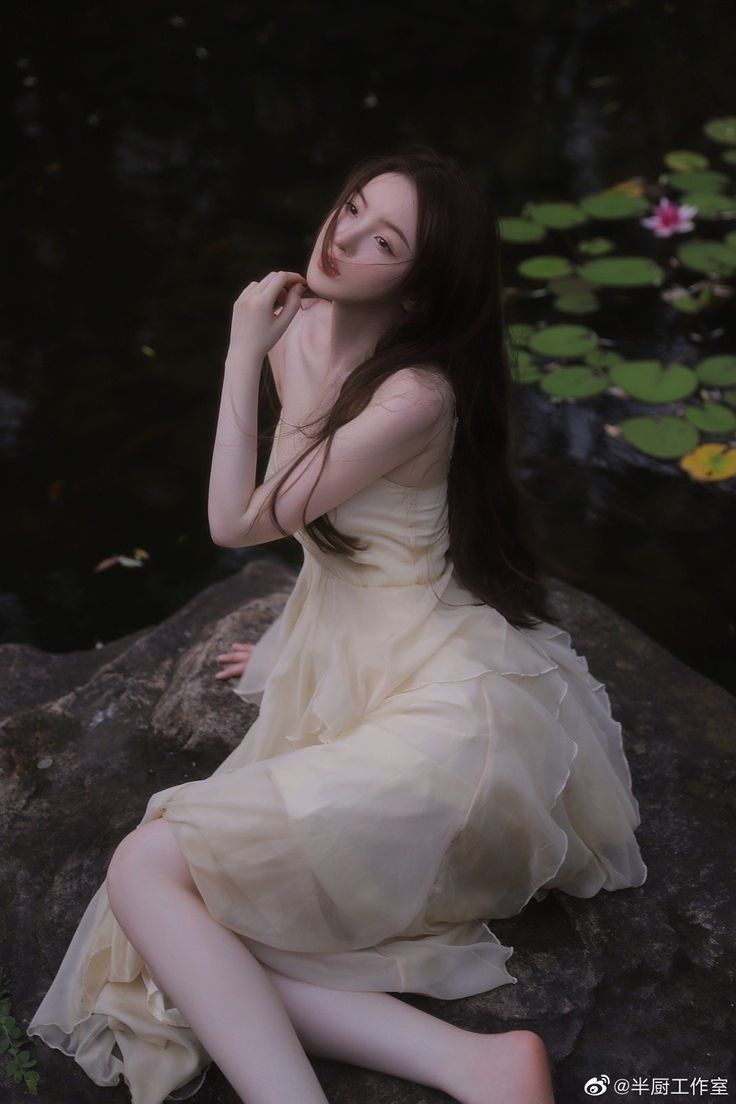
(418, 766)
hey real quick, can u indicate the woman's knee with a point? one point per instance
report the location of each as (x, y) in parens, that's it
(150, 850)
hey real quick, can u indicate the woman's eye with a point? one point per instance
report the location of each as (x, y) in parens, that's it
(353, 209)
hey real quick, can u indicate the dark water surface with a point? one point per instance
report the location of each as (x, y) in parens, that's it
(159, 157)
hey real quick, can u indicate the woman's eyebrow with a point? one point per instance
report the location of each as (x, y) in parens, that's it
(390, 225)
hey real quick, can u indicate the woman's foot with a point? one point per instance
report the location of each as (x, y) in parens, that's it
(237, 660)
(511, 1067)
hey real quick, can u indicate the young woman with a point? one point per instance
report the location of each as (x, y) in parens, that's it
(430, 751)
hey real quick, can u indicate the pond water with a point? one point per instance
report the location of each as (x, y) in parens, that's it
(158, 163)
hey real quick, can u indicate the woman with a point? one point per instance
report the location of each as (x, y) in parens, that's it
(430, 751)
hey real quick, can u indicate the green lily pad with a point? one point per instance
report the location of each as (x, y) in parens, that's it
(729, 156)
(729, 396)
(722, 130)
(512, 229)
(709, 204)
(692, 304)
(603, 358)
(711, 418)
(712, 257)
(576, 381)
(623, 271)
(615, 205)
(520, 332)
(596, 247)
(544, 267)
(556, 216)
(717, 371)
(563, 340)
(569, 285)
(650, 381)
(524, 369)
(699, 180)
(577, 303)
(730, 238)
(684, 160)
(666, 438)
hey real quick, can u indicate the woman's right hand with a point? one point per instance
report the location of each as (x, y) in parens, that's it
(237, 660)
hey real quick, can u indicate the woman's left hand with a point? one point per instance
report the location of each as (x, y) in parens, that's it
(255, 326)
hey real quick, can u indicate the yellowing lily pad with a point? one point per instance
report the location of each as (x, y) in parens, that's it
(710, 462)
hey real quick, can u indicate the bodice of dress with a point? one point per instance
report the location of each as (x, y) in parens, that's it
(404, 530)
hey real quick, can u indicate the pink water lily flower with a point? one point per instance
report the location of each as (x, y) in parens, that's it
(670, 218)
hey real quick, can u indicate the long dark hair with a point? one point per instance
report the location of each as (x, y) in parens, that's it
(458, 327)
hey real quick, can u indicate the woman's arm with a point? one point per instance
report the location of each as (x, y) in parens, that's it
(399, 422)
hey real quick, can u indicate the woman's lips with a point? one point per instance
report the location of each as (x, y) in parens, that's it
(333, 270)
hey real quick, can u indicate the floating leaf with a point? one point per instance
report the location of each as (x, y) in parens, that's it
(603, 358)
(690, 304)
(544, 267)
(712, 257)
(524, 368)
(514, 229)
(729, 156)
(722, 129)
(665, 438)
(577, 303)
(556, 216)
(683, 160)
(596, 247)
(564, 340)
(649, 381)
(730, 397)
(711, 418)
(710, 462)
(710, 204)
(574, 382)
(607, 205)
(717, 371)
(699, 180)
(520, 332)
(622, 272)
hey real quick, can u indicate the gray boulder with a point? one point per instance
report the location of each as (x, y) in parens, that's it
(635, 984)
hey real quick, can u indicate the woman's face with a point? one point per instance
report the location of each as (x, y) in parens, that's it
(374, 242)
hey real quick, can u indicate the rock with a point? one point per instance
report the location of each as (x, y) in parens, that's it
(632, 984)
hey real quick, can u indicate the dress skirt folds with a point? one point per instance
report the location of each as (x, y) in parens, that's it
(418, 767)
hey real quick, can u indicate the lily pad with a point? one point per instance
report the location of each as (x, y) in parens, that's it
(712, 418)
(709, 204)
(596, 247)
(684, 160)
(722, 129)
(623, 271)
(603, 358)
(712, 257)
(524, 368)
(520, 332)
(699, 180)
(650, 381)
(710, 462)
(666, 438)
(556, 216)
(563, 340)
(581, 302)
(514, 229)
(544, 267)
(717, 371)
(577, 381)
(607, 205)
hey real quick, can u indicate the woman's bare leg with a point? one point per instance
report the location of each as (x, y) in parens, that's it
(207, 971)
(188, 954)
(381, 1032)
